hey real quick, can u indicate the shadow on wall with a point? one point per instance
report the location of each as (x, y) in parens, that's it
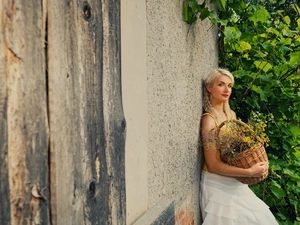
(162, 213)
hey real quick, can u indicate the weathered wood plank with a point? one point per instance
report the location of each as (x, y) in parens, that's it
(4, 184)
(87, 162)
(24, 24)
(115, 124)
(66, 106)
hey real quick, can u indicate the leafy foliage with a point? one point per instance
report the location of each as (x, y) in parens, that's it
(259, 42)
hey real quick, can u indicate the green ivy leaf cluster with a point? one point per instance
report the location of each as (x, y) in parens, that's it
(192, 10)
(259, 42)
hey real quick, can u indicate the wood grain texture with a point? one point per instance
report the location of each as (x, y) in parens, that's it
(23, 45)
(115, 123)
(4, 184)
(87, 147)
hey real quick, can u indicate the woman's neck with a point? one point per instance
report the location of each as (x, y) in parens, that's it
(218, 110)
(218, 107)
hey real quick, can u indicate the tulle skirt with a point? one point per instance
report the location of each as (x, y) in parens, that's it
(226, 201)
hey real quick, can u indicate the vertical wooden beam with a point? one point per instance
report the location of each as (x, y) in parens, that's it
(115, 124)
(4, 184)
(23, 44)
(87, 135)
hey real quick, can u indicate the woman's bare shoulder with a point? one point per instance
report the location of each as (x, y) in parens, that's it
(208, 122)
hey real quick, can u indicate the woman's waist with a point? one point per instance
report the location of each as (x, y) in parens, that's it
(213, 179)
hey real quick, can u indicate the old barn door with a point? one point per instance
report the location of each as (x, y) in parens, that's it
(62, 135)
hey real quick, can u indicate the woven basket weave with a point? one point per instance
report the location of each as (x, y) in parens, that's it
(247, 158)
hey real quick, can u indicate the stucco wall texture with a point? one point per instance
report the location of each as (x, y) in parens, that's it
(176, 63)
(162, 73)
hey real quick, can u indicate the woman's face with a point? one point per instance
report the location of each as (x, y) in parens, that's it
(220, 89)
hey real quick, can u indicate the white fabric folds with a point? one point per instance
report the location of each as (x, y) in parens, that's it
(226, 201)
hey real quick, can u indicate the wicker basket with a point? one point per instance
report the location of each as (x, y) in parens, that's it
(247, 158)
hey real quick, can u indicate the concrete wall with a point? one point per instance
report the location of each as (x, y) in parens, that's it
(162, 68)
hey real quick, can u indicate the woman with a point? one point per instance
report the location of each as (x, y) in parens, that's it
(225, 200)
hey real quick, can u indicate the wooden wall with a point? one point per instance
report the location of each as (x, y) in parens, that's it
(62, 128)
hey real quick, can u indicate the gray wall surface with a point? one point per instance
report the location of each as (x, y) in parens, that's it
(162, 69)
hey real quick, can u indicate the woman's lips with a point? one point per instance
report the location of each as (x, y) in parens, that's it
(225, 95)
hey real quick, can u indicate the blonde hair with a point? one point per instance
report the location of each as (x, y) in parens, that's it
(209, 80)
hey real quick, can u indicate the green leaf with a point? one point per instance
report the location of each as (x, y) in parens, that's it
(273, 31)
(275, 184)
(213, 16)
(278, 192)
(204, 13)
(232, 33)
(259, 15)
(267, 46)
(287, 20)
(295, 130)
(295, 58)
(287, 33)
(297, 153)
(284, 49)
(282, 2)
(240, 73)
(239, 6)
(265, 66)
(285, 41)
(263, 96)
(223, 22)
(193, 5)
(256, 89)
(221, 4)
(185, 11)
(291, 174)
(244, 46)
(283, 217)
(201, 6)
(296, 8)
(265, 77)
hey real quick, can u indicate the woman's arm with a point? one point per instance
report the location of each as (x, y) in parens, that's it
(208, 133)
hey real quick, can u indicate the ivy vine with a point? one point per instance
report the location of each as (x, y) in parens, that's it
(259, 42)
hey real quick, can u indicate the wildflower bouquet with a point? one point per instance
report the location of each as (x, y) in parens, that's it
(242, 144)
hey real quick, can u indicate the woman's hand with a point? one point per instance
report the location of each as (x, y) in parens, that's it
(259, 169)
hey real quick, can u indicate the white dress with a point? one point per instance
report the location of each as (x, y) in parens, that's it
(226, 201)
